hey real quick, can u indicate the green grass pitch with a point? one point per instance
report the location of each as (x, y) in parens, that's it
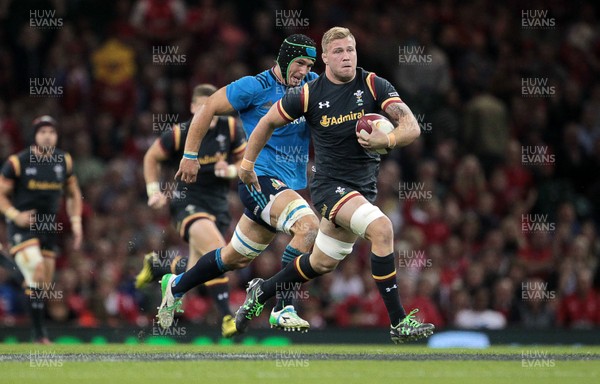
(184, 363)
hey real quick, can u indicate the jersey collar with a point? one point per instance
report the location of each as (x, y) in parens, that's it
(272, 73)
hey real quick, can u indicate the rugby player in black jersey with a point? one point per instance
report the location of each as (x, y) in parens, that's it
(32, 183)
(344, 185)
(200, 210)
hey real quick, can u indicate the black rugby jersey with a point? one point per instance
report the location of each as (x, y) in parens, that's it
(221, 142)
(39, 181)
(331, 111)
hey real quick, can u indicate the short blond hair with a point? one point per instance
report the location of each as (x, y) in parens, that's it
(335, 33)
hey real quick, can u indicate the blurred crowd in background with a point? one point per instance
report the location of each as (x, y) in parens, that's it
(496, 207)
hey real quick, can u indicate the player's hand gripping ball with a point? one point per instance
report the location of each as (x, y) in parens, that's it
(379, 122)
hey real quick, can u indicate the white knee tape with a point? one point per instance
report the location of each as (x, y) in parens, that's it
(333, 248)
(265, 214)
(244, 246)
(362, 217)
(27, 260)
(291, 213)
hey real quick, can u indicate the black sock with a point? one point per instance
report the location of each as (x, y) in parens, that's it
(218, 290)
(384, 273)
(300, 271)
(288, 256)
(209, 266)
(36, 306)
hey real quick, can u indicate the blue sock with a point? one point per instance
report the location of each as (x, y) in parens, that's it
(289, 254)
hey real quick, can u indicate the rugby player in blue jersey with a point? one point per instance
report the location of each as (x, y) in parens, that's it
(281, 170)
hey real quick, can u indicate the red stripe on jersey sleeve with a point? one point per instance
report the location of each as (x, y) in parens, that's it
(282, 112)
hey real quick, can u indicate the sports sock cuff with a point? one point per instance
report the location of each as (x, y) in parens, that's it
(217, 282)
(289, 254)
(33, 292)
(222, 267)
(383, 268)
(303, 267)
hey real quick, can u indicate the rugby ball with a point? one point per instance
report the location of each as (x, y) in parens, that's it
(379, 121)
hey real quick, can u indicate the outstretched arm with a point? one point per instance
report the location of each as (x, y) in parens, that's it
(217, 104)
(257, 141)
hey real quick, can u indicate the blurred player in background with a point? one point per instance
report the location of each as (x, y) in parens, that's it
(281, 168)
(200, 209)
(31, 185)
(344, 186)
(7, 262)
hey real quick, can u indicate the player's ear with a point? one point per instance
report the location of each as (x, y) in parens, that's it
(324, 57)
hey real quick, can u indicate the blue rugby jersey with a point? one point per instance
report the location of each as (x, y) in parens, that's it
(286, 154)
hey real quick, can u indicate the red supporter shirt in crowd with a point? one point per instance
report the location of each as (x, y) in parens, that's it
(575, 310)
